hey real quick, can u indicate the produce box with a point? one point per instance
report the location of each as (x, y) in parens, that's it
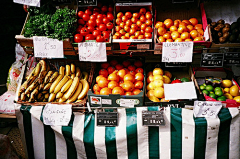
(218, 84)
(135, 95)
(176, 75)
(128, 39)
(183, 12)
(40, 83)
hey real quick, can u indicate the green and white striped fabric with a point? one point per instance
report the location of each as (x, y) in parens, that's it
(183, 136)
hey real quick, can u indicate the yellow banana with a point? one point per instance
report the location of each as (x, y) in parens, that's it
(61, 100)
(39, 96)
(33, 94)
(22, 88)
(72, 89)
(66, 85)
(84, 90)
(79, 100)
(59, 95)
(68, 70)
(47, 86)
(51, 97)
(23, 96)
(48, 76)
(30, 80)
(85, 75)
(76, 94)
(61, 84)
(32, 87)
(72, 68)
(37, 70)
(53, 77)
(72, 76)
(78, 72)
(56, 100)
(55, 83)
(62, 70)
(46, 95)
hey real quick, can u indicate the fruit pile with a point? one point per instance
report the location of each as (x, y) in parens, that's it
(136, 25)
(95, 23)
(125, 79)
(178, 31)
(45, 85)
(224, 32)
(155, 81)
(226, 91)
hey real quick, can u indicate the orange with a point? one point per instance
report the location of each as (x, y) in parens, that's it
(136, 91)
(167, 36)
(161, 39)
(200, 31)
(128, 86)
(177, 22)
(185, 35)
(129, 77)
(150, 93)
(161, 31)
(96, 92)
(138, 84)
(168, 23)
(193, 21)
(103, 82)
(198, 26)
(103, 72)
(118, 90)
(159, 24)
(112, 84)
(187, 22)
(121, 73)
(190, 28)
(96, 88)
(105, 91)
(139, 70)
(159, 92)
(188, 40)
(127, 35)
(182, 24)
(178, 40)
(139, 23)
(198, 39)
(194, 34)
(169, 40)
(128, 93)
(175, 35)
(173, 28)
(139, 76)
(113, 77)
(98, 77)
(182, 29)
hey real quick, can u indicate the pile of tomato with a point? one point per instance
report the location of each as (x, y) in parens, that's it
(94, 23)
(124, 78)
(178, 31)
(137, 25)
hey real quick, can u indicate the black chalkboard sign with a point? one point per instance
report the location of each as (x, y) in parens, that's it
(152, 118)
(175, 64)
(232, 58)
(107, 119)
(212, 60)
(85, 3)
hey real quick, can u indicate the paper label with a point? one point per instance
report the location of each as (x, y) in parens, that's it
(95, 100)
(55, 114)
(206, 33)
(47, 47)
(107, 101)
(177, 51)
(92, 51)
(206, 109)
(35, 3)
(142, 46)
(127, 103)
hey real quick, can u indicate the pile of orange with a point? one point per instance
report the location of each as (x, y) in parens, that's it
(155, 81)
(178, 31)
(137, 25)
(115, 78)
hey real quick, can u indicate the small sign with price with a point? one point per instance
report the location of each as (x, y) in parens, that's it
(92, 51)
(47, 47)
(206, 109)
(177, 51)
(55, 114)
(35, 3)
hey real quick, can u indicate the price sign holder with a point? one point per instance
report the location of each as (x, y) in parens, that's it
(212, 60)
(232, 58)
(175, 64)
(153, 118)
(83, 3)
(107, 118)
(35, 3)
(206, 108)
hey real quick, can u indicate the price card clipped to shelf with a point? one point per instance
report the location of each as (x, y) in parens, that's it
(177, 51)
(92, 51)
(35, 3)
(107, 118)
(175, 64)
(206, 109)
(57, 114)
(232, 58)
(153, 118)
(127, 103)
(47, 47)
(212, 60)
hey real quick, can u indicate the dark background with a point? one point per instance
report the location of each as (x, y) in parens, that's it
(11, 22)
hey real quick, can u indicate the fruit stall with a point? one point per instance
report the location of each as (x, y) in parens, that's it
(129, 79)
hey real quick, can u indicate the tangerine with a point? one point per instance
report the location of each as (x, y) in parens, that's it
(194, 34)
(173, 28)
(182, 29)
(128, 86)
(185, 35)
(198, 39)
(138, 84)
(118, 90)
(161, 39)
(136, 91)
(96, 88)
(161, 31)
(187, 22)
(169, 40)
(112, 84)
(178, 40)
(167, 36)
(175, 35)
(168, 23)
(139, 76)
(129, 77)
(121, 73)
(176, 23)
(193, 21)
(198, 26)
(103, 82)
(159, 24)
(105, 91)
(190, 28)
(128, 93)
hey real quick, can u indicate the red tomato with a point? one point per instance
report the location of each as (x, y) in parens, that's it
(78, 30)
(105, 33)
(119, 66)
(138, 84)
(104, 9)
(89, 37)
(99, 21)
(135, 15)
(126, 28)
(78, 38)
(113, 62)
(148, 30)
(102, 27)
(99, 16)
(134, 20)
(96, 33)
(90, 7)
(110, 16)
(84, 31)
(109, 25)
(149, 22)
(131, 67)
(149, 16)
(111, 69)
(93, 17)
(90, 29)
(128, 15)
(85, 17)
(148, 35)
(95, 13)
(91, 23)
(143, 19)
(120, 15)
(118, 21)
(106, 37)
(25, 7)
(110, 9)
(143, 11)
(88, 11)
(129, 22)
(117, 28)
(124, 18)
(96, 9)
(126, 63)
(99, 38)
(103, 72)
(143, 26)
(81, 22)
(105, 65)
(139, 70)
(105, 20)
(80, 14)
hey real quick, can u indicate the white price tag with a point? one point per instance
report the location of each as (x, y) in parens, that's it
(206, 109)
(55, 114)
(47, 48)
(127, 103)
(35, 3)
(206, 33)
(92, 51)
(177, 51)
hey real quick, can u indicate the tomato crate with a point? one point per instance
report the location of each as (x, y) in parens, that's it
(54, 65)
(132, 42)
(175, 73)
(201, 74)
(115, 100)
(182, 12)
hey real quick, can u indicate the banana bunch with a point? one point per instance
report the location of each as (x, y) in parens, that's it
(67, 85)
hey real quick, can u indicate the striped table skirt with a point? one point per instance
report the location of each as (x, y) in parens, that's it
(182, 136)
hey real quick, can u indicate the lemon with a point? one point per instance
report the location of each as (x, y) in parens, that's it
(237, 99)
(159, 92)
(157, 71)
(150, 86)
(158, 83)
(226, 83)
(234, 91)
(154, 99)
(150, 93)
(228, 96)
(226, 90)
(157, 77)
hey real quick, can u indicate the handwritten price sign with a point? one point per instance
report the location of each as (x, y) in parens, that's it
(177, 51)
(35, 3)
(92, 51)
(54, 114)
(47, 48)
(206, 109)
